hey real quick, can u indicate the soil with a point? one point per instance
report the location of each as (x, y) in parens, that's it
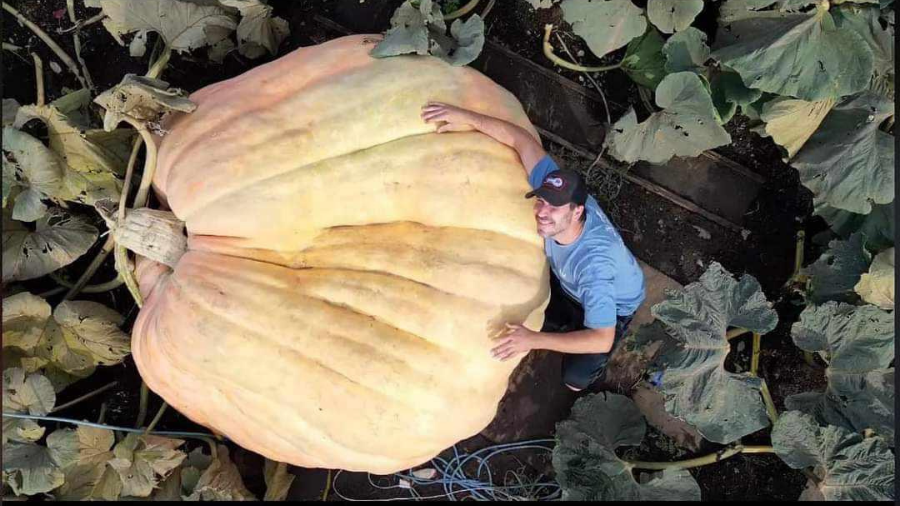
(660, 233)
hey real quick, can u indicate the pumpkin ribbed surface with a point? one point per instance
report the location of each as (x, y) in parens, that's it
(346, 266)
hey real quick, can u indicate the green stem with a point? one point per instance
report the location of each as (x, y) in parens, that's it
(770, 404)
(49, 41)
(156, 419)
(686, 464)
(754, 359)
(84, 397)
(102, 413)
(736, 332)
(548, 52)
(39, 76)
(327, 486)
(159, 65)
(99, 288)
(462, 11)
(487, 8)
(76, 38)
(142, 410)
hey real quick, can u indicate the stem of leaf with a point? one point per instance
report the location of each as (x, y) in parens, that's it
(70, 6)
(327, 486)
(84, 397)
(548, 52)
(767, 398)
(462, 11)
(156, 419)
(701, 461)
(487, 8)
(39, 77)
(754, 359)
(589, 76)
(102, 413)
(81, 24)
(142, 411)
(159, 65)
(47, 40)
(736, 332)
(99, 288)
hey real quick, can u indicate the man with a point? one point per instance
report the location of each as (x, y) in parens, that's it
(599, 280)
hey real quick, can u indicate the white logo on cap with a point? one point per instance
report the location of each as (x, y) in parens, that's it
(555, 181)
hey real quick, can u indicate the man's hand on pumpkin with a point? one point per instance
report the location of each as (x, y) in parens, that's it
(455, 119)
(518, 341)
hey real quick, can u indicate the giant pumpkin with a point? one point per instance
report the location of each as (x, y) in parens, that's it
(347, 267)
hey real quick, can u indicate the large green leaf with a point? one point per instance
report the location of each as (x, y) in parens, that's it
(858, 342)
(723, 406)
(878, 225)
(687, 126)
(220, 481)
(866, 22)
(91, 168)
(849, 163)
(32, 167)
(141, 461)
(791, 122)
(586, 464)
(729, 92)
(673, 15)
(465, 43)
(644, 61)
(58, 240)
(686, 51)
(849, 466)
(877, 285)
(605, 25)
(24, 315)
(834, 275)
(409, 30)
(30, 469)
(87, 451)
(801, 55)
(258, 32)
(25, 393)
(183, 25)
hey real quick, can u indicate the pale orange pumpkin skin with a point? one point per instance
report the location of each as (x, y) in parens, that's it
(346, 266)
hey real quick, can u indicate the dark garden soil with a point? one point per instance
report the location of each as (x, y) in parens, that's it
(664, 235)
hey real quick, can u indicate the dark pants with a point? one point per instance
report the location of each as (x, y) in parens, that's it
(564, 314)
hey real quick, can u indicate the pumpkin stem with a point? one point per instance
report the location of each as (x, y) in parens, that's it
(152, 233)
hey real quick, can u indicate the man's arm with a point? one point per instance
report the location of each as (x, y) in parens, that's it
(522, 340)
(457, 119)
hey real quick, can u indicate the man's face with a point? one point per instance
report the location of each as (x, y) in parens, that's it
(552, 220)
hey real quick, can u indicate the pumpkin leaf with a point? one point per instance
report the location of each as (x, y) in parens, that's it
(877, 226)
(850, 467)
(866, 22)
(834, 275)
(877, 286)
(586, 463)
(644, 61)
(409, 32)
(791, 122)
(10, 107)
(258, 31)
(88, 477)
(673, 15)
(722, 406)
(58, 240)
(687, 126)
(542, 4)
(219, 50)
(141, 461)
(858, 343)
(800, 55)
(220, 481)
(278, 480)
(93, 328)
(92, 170)
(466, 44)
(183, 25)
(849, 163)
(728, 92)
(30, 469)
(24, 315)
(31, 166)
(605, 25)
(32, 394)
(142, 99)
(686, 51)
